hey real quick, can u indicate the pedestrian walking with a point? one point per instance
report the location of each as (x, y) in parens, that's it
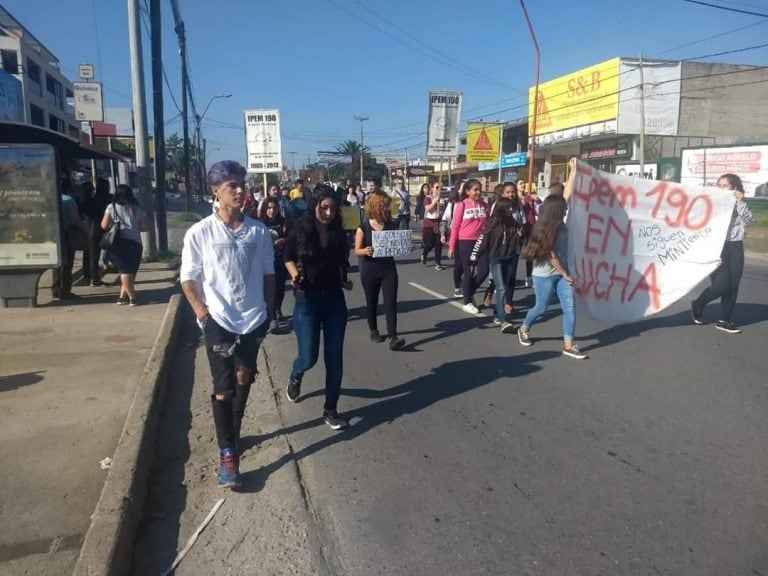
(73, 229)
(501, 242)
(277, 225)
(378, 275)
(316, 260)
(547, 248)
(531, 204)
(430, 231)
(726, 279)
(228, 278)
(418, 212)
(454, 196)
(469, 219)
(125, 252)
(404, 209)
(94, 208)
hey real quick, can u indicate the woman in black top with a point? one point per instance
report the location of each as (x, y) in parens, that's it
(378, 274)
(271, 217)
(316, 259)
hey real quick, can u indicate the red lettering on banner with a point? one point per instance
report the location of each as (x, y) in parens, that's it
(649, 284)
(601, 191)
(597, 280)
(681, 206)
(596, 229)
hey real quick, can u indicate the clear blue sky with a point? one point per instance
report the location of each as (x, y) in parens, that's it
(322, 61)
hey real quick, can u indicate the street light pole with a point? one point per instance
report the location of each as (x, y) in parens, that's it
(535, 97)
(361, 119)
(198, 138)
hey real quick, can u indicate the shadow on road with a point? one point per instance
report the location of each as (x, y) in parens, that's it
(15, 381)
(744, 315)
(446, 381)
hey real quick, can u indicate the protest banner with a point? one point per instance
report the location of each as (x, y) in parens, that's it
(262, 141)
(350, 217)
(637, 246)
(391, 243)
(443, 124)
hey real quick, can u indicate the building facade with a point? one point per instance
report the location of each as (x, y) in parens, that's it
(597, 114)
(47, 94)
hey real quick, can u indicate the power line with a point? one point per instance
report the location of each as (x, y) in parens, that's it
(726, 8)
(689, 90)
(739, 29)
(729, 52)
(476, 75)
(429, 47)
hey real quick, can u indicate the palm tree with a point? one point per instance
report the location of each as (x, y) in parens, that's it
(351, 148)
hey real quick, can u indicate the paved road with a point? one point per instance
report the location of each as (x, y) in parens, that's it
(469, 454)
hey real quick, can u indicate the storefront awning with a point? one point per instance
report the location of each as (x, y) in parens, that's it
(67, 147)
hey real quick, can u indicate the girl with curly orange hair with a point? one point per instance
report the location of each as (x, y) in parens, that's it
(378, 274)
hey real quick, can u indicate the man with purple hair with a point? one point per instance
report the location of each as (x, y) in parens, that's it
(228, 277)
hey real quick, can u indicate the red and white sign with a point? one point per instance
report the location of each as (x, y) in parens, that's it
(637, 246)
(703, 166)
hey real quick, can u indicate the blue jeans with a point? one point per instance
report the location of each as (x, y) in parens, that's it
(504, 273)
(543, 286)
(326, 310)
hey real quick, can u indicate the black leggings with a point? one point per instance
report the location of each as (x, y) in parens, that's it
(725, 280)
(475, 273)
(431, 239)
(528, 269)
(375, 278)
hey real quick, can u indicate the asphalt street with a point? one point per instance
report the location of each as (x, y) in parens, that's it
(470, 454)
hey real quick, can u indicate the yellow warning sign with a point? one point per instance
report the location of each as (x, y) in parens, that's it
(483, 142)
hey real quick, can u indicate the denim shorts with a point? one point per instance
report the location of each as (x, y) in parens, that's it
(228, 353)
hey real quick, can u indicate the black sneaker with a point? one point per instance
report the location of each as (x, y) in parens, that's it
(332, 418)
(293, 390)
(376, 337)
(697, 314)
(729, 327)
(395, 343)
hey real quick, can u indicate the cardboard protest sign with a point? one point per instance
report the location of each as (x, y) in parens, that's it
(395, 206)
(350, 217)
(391, 243)
(637, 246)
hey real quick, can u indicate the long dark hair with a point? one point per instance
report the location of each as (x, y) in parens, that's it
(544, 232)
(124, 196)
(503, 217)
(307, 235)
(263, 212)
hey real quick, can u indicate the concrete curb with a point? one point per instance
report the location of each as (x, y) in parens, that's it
(108, 542)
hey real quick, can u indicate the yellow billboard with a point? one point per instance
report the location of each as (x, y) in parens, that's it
(584, 97)
(483, 142)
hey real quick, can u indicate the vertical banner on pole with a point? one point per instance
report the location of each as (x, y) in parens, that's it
(443, 126)
(262, 141)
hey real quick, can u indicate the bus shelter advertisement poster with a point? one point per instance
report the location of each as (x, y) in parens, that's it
(29, 222)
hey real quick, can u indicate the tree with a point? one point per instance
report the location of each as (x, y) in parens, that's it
(351, 171)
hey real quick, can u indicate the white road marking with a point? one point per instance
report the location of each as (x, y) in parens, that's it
(444, 298)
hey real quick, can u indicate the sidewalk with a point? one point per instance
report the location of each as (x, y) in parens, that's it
(68, 371)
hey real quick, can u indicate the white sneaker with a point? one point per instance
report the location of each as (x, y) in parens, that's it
(457, 293)
(470, 308)
(529, 282)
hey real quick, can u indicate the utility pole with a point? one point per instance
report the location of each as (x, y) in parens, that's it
(149, 239)
(157, 107)
(361, 119)
(642, 120)
(180, 32)
(534, 124)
